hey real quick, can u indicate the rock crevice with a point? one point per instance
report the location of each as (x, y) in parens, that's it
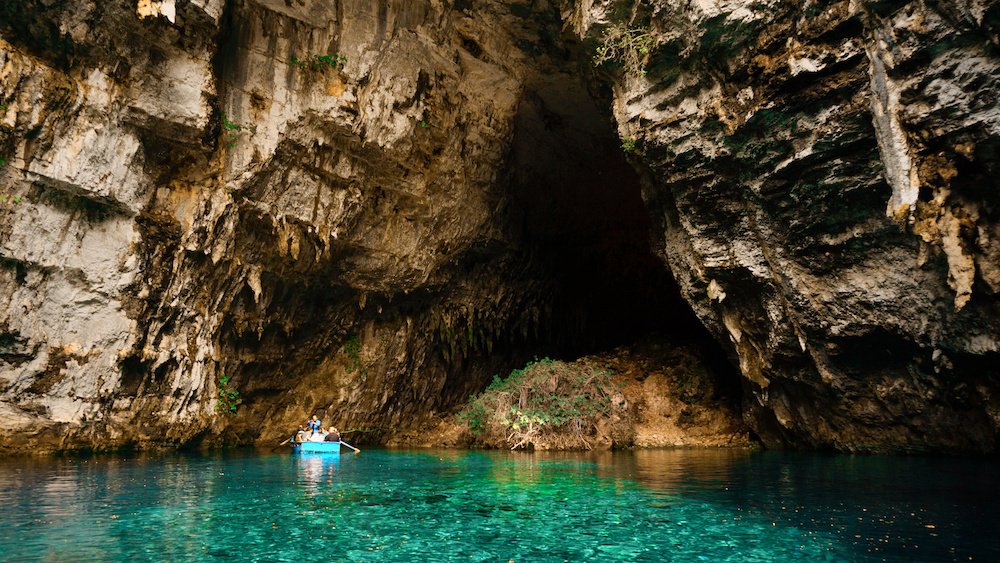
(808, 167)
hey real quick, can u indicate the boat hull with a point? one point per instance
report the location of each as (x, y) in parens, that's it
(316, 448)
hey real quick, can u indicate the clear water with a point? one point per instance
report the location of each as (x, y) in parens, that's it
(668, 505)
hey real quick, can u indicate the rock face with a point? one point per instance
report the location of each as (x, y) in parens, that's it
(364, 209)
(824, 180)
(356, 209)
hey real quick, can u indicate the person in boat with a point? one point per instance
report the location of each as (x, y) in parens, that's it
(300, 435)
(332, 434)
(317, 436)
(314, 424)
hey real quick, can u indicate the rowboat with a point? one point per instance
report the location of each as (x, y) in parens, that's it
(315, 447)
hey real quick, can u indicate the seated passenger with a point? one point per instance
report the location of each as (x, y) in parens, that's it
(332, 434)
(317, 437)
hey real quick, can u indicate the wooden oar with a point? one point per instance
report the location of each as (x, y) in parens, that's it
(356, 450)
(285, 442)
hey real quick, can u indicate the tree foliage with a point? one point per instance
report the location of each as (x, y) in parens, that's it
(625, 45)
(545, 399)
(229, 399)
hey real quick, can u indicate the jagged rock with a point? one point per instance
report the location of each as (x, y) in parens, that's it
(314, 199)
(823, 176)
(365, 209)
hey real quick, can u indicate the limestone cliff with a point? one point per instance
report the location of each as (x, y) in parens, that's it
(361, 209)
(368, 207)
(823, 176)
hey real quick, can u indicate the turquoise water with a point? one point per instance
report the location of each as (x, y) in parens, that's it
(380, 505)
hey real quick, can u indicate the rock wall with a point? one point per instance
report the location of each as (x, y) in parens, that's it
(318, 201)
(824, 180)
(364, 208)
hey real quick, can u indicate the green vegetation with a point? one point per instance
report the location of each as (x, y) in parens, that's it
(352, 347)
(423, 124)
(625, 45)
(628, 144)
(232, 130)
(546, 401)
(229, 398)
(319, 62)
(13, 198)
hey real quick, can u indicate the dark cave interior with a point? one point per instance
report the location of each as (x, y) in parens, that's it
(576, 205)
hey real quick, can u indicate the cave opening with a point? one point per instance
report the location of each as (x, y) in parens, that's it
(575, 206)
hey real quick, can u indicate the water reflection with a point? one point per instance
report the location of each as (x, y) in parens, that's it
(891, 508)
(317, 468)
(675, 472)
(718, 505)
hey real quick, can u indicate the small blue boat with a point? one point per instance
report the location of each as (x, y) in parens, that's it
(315, 447)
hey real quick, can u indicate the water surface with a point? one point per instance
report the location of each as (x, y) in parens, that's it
(431, 505)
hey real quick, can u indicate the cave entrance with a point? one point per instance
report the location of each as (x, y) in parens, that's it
(576, 206)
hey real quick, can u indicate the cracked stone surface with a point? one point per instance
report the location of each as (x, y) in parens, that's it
(364, 209)
(823, 178)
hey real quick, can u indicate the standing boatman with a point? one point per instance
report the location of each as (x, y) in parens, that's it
(314, 424)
